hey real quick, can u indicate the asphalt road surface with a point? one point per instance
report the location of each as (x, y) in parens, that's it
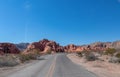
(56, 65)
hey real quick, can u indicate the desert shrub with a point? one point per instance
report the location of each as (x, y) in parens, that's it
(34, 51)
(31, 55)
(27, 57)
(118, 55)
(80, 54)
(90, 56)
(8, 60)
(110, 51)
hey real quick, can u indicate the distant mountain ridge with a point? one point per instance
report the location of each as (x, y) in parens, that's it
(22, 46)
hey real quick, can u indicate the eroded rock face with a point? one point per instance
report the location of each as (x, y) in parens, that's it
(45, 46)
(73, 48)
(8, 48)
(97, 46)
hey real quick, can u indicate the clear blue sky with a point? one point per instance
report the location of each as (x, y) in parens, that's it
(65, 21)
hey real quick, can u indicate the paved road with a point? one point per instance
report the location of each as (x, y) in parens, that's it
(56, 65)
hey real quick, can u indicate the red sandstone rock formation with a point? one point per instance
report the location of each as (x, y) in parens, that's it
(73, 48)
(98, 46)
(45, 46)
(8, 48)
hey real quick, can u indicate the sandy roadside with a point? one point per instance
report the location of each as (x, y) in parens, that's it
(6, 71)
(100, 68)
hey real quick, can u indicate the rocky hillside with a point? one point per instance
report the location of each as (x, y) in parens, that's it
(98, 46)
(73, 48)
(8, 48)
(45, 46)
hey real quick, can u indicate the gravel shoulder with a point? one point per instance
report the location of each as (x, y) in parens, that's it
(100, 68)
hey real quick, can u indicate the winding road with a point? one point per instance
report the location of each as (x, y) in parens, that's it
(55, 65)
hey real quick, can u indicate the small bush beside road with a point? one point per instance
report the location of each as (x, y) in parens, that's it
(88, 55)
(27, 57)
(9, 60)
(15, 59)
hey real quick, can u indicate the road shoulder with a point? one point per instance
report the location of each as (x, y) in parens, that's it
(5, 71)
(101, 69)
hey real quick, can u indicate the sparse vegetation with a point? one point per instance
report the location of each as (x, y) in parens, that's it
(80, 54)
(9, 60)
(32, 55)
(90, 56)
(12, 60)
(118, 55)
(110, 51)
(113, 56)
(26, 57)
(114, 59)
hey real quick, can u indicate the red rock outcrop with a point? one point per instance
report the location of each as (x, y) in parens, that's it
(45, 46)
(98, 46)
(73, 48)
(8, 48)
